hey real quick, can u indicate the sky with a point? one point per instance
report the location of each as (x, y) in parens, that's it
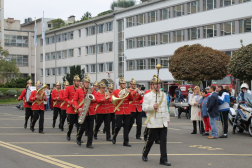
(22, 9)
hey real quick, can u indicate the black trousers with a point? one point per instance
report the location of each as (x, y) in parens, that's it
(71, 119)
(56, 112)
(119, 121)
(153, 134)
(88, 126)
(38, 114)
(224, 121)
(99, 120)
(138, 116)
(63, 118)
(28, 114)
(112, 120)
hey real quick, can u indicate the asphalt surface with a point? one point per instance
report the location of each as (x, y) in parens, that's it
(20, 148)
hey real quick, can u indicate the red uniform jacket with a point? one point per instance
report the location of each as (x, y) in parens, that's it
(103, 106)
(111, 106)
(37, 104)
(55, 98)
(124, 108)
(79, 103)
(68, 97)
(63, 104)
(22, 96)
(135, 104)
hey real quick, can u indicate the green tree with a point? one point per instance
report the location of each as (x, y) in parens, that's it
(198, 63)
(122, 4)
(86, 16)
(58, 22)
(241, 63)
(74, 70)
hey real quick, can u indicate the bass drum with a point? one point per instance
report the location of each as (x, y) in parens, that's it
(28, 92)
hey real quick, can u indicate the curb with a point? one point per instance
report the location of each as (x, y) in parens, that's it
(9, 104)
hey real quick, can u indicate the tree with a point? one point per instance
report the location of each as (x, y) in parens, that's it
(198, 63)
(241, 63)
(58, 22)
(74, 70)
(86, 16)
(122, 4)
(17, 83)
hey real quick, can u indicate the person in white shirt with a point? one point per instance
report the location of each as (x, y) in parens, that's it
(157, 120)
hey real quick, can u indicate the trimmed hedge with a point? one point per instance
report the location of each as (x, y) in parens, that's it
(11, 92)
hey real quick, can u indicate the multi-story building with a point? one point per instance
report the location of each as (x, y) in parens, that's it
(75, 44)
(1, 23)
(149, 33)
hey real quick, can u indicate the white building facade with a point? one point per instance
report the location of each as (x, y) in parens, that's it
(149, 33)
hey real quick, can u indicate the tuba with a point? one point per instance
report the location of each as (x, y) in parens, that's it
(122, 94)
(88, 98)
(40, 90)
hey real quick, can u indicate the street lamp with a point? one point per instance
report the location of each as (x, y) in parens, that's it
(96, 50)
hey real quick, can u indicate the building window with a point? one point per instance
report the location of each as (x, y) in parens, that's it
(227, 28)
(58, 55)
(79, 50)
(86, 31)
(178, 10)
(109, 26)
(52, 40)
(64, 70)
(47, 71)
(58, 71)
(86, 50)
(49, 25)
(152, 40)
(194, 33)
(141, 64)
(41, 57)
(53, 71)
(92, 49)
(79, 31)
(152, 63)
(242, 1)
(165, 13)
(130, 21)
(16, 41)
(64, 37)
(47, 40)
(93, 69)
(140, 42)
(210, 31)
(209, 4)
(109, 47)
(245, 25)
(130, 43)
(47, 56)
(109, 66)
(87, 69)
(70, 35)
(21, 60)
(53, 56)
(41, 72)
(178, 36)
(152, 16)
(100, 28)
(41, 42)
(70, 53)
(165, 38)
(193, 7)
(100, 48)
(141, 19)
(92, 30)
(226, 2)
(58, 38)
(64, 54)
(130, 65)
(164, 62)
(101, 67)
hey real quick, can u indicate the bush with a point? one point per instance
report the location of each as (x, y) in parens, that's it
(1, 94)
(11, 92)
(19, 92)
(17, 83)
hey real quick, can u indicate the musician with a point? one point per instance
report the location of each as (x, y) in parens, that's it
(72, 115)
(122, 112)
(157, 120)
(27, 106)
(79, 102)
(95, 86)
(38, 107)
(63, 105)
(56, 104)
(135, 106)
(102, 110)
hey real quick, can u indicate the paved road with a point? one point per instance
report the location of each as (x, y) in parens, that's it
(20, 148)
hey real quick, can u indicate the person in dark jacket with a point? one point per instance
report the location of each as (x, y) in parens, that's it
(213, 111)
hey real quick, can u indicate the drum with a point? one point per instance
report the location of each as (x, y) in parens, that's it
(28, 92)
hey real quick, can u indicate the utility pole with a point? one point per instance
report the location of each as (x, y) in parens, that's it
(55, 41)
(96, 50)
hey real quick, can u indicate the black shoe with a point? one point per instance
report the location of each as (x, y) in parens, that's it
(205, 134)
(25, 126)
(78, 142)
(223, 136)
(126, 144)
(157, 142)
(68, 138)
(113, 140)
(145, 159)
(53, 125)
(89, 146)
(32, 129)
(234, 127)
(104, 131)
(139, 138)
(18, 107)
(81, 141)
(95, 136)
(41, 132)
(194, 132)
(62, 129)
(109, 139)
(165, 163)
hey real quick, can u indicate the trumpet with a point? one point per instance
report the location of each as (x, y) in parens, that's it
(141, 93)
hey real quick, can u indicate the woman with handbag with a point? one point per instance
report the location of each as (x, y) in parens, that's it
(195, 111)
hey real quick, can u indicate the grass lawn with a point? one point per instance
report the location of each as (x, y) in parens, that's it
(4, 90)
(9, 101)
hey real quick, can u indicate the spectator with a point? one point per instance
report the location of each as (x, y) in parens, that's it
(194, 102)
(224, 100)
(228, 90)
(207, 89)
(177, 95)
(47, 92)
(190, 92)
(212, 109)
(181, 97)
(204, 114)
(168, 101)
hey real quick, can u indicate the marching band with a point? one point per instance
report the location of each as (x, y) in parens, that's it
(85, 107)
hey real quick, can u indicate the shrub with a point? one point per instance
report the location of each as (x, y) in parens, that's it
(1, 94)
(11, 92)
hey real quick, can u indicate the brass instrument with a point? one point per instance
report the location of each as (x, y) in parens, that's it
(38, 92)
(122, 95)
(87, 100)
(140, 92)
